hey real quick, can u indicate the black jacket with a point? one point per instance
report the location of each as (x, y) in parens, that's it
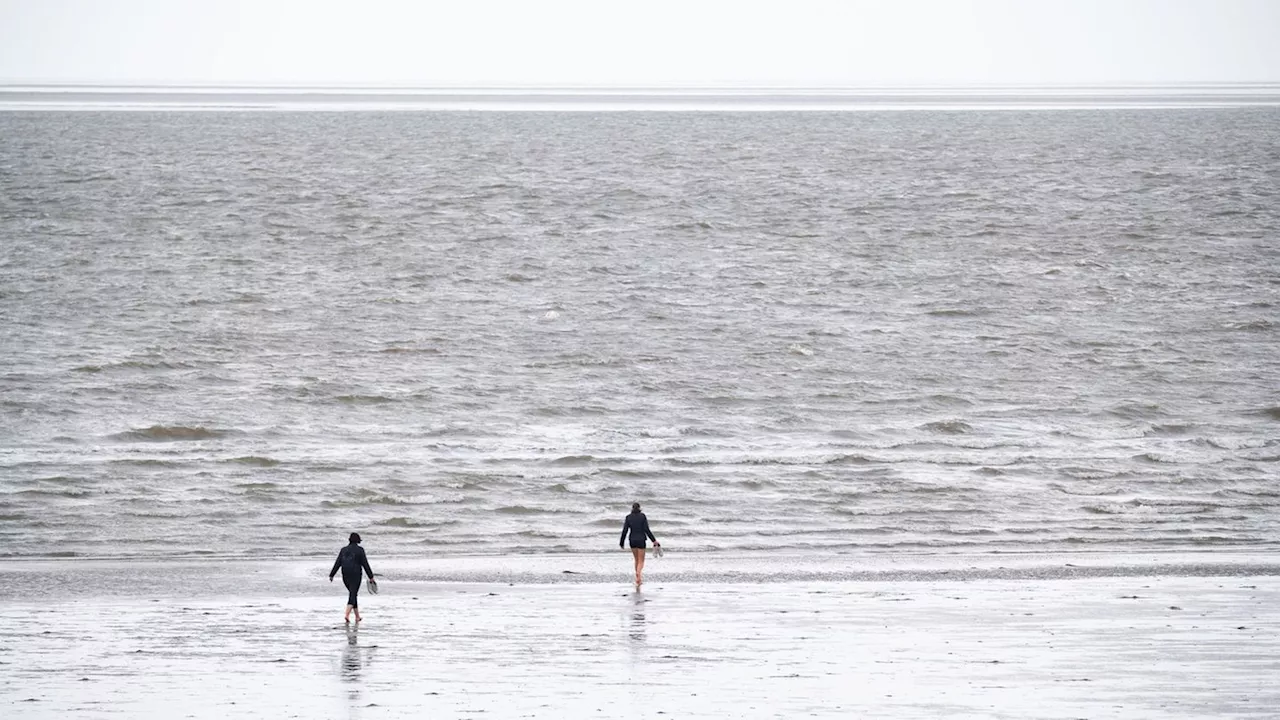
(638, 525)
(351, 559)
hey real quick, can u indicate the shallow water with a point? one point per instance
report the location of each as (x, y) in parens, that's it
(244, 333)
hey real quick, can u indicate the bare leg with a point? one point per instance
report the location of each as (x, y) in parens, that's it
(353, 587)
(638, 554)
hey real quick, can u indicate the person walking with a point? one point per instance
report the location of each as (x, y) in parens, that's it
(351, 560)
(637, 525)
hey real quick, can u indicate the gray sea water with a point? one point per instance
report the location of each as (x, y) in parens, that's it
(484, 333)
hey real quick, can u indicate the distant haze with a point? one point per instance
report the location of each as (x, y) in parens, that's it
(656, 43)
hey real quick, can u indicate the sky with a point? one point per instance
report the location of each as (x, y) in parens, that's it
(633, 43)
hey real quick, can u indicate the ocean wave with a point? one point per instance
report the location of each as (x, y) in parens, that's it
(147, 462)
(1235, 443)
(902, 490)
(572, 461)
(969, 532)
(154, 514)
(403, 522)
(580, 361)
(254, 460)
(462, 431)
(433, 539)
(932, 399)
(1088, 473)
(666, 433)
(526, 510)
(409, 351)
(1136, 410)
(173, 433)
(1156, 458)
(1251, 326)
(133, 365)
(1271, 413)
(45, 492)
(366, 500)
(1245, 492)
(1155, 507)
(1086, 490)
(781, 461)
(570, 410)
(58, 479)
(580, 489)
(540, 534)
(948, 427)
(1227, 540)
(1169, 429)
(363, 399)
(849, 459)
(635, 474)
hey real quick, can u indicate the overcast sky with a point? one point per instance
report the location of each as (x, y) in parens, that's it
(847, 43)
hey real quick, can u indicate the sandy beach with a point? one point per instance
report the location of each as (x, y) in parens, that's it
(1185, 635)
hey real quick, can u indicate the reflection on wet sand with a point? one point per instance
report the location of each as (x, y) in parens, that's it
(352, 665)
(637, 629)
(351, 659)
(992, 647)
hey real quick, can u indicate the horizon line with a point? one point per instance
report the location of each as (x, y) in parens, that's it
(622, 98)
(941, 88)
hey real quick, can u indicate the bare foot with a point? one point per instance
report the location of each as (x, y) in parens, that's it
(358, 618)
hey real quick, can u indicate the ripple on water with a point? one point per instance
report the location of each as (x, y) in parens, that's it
(717, 345)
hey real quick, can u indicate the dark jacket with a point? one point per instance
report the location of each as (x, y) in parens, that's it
(351, 559)
(638, 525)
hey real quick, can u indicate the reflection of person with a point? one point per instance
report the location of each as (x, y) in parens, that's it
(351, 656)
(638, 526)
(637, 619)
(351, 559)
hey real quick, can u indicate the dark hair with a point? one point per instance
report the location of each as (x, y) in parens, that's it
(635, 507)
(355, 538)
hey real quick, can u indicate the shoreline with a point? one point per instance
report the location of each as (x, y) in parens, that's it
(90, 579)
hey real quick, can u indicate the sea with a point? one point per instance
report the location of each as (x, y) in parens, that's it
(233, 333)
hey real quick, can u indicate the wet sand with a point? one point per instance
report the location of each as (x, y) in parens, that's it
(1030, 637)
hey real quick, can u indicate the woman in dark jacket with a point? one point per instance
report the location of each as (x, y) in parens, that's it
(638, 526)
(351, 560)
